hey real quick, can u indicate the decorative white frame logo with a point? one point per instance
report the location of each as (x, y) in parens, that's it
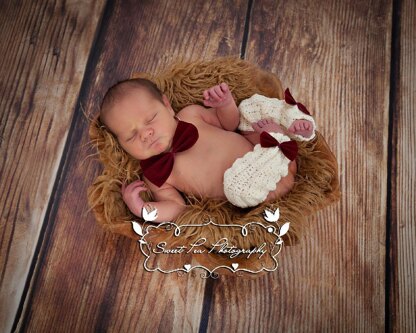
(274, 248)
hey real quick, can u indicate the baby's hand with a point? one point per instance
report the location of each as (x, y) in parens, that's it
(218, 96)
(130, 194)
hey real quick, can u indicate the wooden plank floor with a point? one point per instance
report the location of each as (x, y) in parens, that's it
(352, 63)
(404, 171)
(333, 62)
(44, 51)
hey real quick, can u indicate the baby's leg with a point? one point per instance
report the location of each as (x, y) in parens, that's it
(265, 173)
(263, 125)
(284, 185)
(251, 136)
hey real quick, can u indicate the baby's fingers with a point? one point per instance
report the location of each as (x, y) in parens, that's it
(205, 94)
(224, 87)
(208, 99)
(139, 189)
(134, 193)
(135, 185)
(213, 94)
(218, 91)
(124, 185)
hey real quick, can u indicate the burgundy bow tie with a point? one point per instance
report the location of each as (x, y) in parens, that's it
(288, 148)
(158, 168)
(290, 100)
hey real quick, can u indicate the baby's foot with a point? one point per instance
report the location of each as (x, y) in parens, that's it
(267, 125)
(301, 127)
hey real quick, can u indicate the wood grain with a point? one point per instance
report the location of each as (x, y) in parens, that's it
(406, 170)
(335, 57)
(44, 50)
(91, 281)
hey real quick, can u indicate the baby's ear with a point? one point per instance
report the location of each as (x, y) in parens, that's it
(166, 101)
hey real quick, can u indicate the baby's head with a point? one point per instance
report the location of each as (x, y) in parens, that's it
(140, 117)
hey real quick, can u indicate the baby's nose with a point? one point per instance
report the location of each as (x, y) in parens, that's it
(146, 134)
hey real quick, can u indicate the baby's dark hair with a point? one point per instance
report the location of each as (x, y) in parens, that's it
(120, 89)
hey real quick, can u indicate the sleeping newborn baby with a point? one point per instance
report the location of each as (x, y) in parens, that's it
(198, 151)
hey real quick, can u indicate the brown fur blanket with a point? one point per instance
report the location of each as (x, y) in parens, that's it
(316, 183)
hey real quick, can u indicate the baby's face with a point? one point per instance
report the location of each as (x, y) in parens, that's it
(142, 124)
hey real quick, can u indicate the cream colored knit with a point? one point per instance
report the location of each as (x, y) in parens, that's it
(259, 107)
(251, 177)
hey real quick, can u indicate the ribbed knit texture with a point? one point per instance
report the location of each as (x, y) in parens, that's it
(251, 177)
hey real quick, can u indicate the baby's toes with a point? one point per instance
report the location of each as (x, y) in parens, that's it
(257, 126)
(294, 128)
(301, 127)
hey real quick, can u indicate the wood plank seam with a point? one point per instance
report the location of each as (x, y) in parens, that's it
(206, 307)
(391, 293)
(246, 29)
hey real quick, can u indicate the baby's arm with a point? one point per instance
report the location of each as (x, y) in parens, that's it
(220, 98)
(169, 203)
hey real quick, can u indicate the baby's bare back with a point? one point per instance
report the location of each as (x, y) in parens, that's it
(200, 169)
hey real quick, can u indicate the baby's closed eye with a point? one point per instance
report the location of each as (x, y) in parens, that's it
(152, 118)
(131, 137)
